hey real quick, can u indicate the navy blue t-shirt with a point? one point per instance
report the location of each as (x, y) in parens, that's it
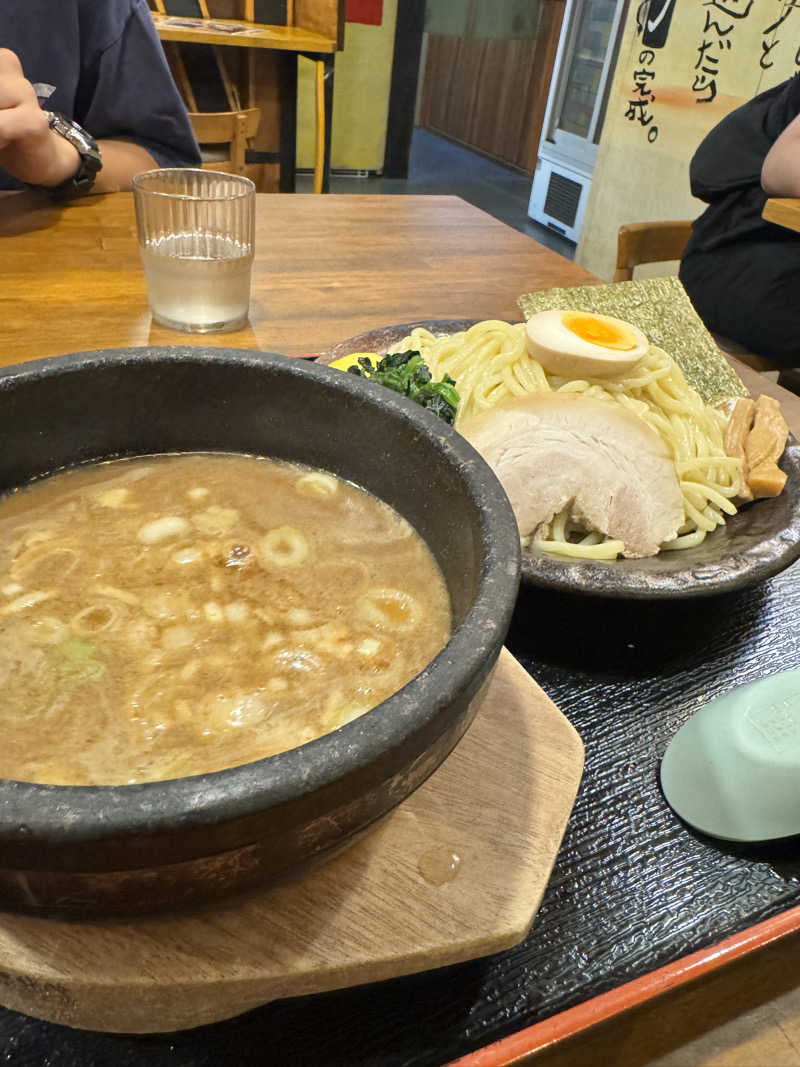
(109, 71)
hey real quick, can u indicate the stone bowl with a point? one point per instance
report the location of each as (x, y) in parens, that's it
(90, 851)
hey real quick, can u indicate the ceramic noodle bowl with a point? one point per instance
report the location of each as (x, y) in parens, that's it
(165, 846)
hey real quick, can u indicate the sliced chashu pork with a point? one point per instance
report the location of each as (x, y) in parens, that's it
(551, 450)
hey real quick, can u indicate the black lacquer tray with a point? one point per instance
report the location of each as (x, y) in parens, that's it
(632, 889)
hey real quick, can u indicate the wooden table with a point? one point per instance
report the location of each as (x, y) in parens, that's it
(783, 211)
(327, 268)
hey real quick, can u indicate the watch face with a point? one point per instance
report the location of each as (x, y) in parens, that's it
(75, 134)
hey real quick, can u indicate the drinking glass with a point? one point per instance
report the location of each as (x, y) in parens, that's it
(197, 236)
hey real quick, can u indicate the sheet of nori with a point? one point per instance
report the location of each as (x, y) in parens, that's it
(661, 308)
(632, 888)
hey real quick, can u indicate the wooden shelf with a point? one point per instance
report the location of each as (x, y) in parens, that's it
(241, 34)
(784, 212)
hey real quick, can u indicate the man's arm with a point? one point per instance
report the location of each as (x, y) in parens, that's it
(35, 154)
(780, 174)
(121, 160)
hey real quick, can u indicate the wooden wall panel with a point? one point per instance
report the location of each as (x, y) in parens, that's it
(500, 105)
(515, 102)
(487, 116)
(441, 59)
(491, 93)
(465, 99)
(541, 72)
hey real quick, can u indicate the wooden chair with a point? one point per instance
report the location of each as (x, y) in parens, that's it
(310, 28)
(233, 128)
(206, 86)
(649, 242)
(661, 242)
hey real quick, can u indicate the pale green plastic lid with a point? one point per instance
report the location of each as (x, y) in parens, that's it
(733, 770)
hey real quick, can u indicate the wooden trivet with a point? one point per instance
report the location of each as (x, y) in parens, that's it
(457, 872)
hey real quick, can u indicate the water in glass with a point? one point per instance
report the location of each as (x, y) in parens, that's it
(198, 280)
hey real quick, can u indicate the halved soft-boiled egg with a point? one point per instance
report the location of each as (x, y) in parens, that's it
(579, 344)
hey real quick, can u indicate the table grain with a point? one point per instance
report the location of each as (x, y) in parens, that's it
(327, 268)
(783, 211)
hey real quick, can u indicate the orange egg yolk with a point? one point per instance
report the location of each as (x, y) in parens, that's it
(605, 332)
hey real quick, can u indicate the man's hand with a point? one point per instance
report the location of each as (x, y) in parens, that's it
(29, 149)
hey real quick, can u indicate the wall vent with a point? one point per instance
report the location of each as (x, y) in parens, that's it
(563, 197)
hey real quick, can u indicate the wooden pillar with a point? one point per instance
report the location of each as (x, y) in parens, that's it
(267, 90)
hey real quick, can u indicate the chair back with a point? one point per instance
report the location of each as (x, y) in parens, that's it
(649, 242)
(234, 128)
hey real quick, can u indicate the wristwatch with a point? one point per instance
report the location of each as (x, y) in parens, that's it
(91, 160)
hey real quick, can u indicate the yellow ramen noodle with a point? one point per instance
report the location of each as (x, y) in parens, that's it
(172, 615)
(490, 362)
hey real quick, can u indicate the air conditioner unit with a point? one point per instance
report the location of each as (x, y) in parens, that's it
(558, 197)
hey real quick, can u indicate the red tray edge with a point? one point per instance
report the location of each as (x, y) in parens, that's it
(510, 1050)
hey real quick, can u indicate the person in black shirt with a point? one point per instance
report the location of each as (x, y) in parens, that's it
(98, 63)
(742, 273)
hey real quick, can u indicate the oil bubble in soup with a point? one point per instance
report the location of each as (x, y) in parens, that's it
(171, 615)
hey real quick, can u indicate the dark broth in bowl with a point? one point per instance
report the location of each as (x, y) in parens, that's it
(172, 615)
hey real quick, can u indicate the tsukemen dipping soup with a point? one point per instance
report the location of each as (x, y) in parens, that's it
(170, 615)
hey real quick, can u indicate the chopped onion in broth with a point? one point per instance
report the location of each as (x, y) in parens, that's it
(174, 615)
